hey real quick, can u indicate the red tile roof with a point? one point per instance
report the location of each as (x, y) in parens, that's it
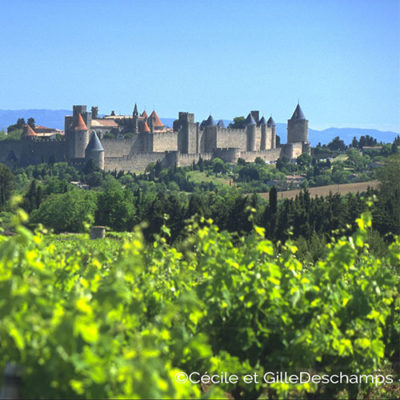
(29, 131)
(146, 128)
(104, 123)
(156, 121)
(144, 114)
(80, 124)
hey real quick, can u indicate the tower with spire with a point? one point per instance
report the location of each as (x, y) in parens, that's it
(77, 129)
(297, 128)
(251, 128)
(135, 120)
(95, 151)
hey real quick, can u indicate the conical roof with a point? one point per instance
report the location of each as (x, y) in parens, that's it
(210, 121)
(156, 121)
(262, 121)
(271, 122)
(80, 124)
(146, 128)
(94, 144)
(135, 111)
(29, 131)
(250, 120)
(298, 113)
(221, 124)
(144, 114)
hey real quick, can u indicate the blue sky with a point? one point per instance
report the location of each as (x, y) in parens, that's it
(341, 58)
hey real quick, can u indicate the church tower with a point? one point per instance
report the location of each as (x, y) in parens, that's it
(135, 120)
(297, 129)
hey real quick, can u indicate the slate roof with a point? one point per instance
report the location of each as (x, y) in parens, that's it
(250, 120)
(262, 121)
(80, 124)
(94, 144)
(210, 121)
(221, 124)
(298, 113)
(271, 122)
(135, 111)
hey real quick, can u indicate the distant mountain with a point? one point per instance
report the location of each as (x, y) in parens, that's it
(55, 119)
(346, 134)
(50, 118)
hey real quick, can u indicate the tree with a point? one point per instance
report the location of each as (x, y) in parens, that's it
(238, 123)
(31, 122)
(389, 175)
(67, 212)
(218, 166)
(19, 125)
(336, 144)
(33, 197)
(201, 164)
(270, 213)
(115, 208)
(6, 184)
(304, 160)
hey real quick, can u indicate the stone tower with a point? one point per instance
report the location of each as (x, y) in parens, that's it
(271, 124)
(251, 133)
(77, 132)
(297, 129)
(187, 133)
(95, 151)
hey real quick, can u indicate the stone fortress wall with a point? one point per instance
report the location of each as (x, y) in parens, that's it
(181, 146)
(27, 152)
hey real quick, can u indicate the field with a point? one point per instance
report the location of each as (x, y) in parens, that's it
(343, 189)
(200, 177)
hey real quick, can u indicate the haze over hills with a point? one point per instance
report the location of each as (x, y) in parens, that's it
(55, 119)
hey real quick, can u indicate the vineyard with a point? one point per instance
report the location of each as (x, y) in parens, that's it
(123, 318)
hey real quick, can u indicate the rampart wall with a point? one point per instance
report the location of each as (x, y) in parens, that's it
(32, 151)
(292, 150)
(134, 163)
(165, 141)
(267, 155)
(227, 138)
(186, 160)
(120, 147)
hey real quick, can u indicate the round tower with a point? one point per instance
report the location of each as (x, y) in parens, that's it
(271, 124)
(95, 151)
(297, 129)
(77, 137)
(263, 125)
(251, 133)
